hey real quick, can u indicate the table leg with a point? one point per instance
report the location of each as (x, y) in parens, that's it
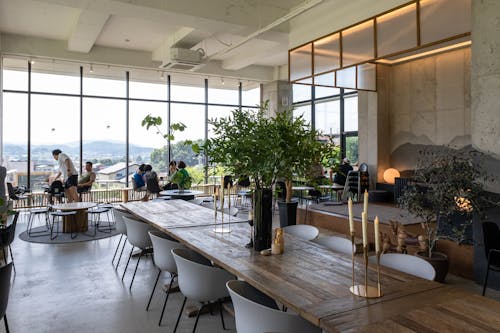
(80, 219)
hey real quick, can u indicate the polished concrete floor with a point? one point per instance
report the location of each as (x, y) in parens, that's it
(74, 288)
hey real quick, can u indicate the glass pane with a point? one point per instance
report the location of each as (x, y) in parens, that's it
(301, 92)
(440, 19)
(15, 74)
(351, 150)
(148, 146)
(15, 138)
(327, 79)
(346, 78)
(325, 91)
(251, 97)
(357, 44)
(187, 88)
(367, 76)
(103, 82)
(193, 116)
(301, 62)
(328, 117)
(327, 54)
(223, 91)
(304, 111)
(218, 112)
(104, 137)
(397, 31)
(351, 113)
(148, 85)
(55, 77)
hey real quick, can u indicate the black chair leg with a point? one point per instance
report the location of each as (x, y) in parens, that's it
(126, 266)
(180, 314)
(52, 228)
(198, 317)
(153, 291)
(74, 233)
(172, 277)
(6, 323)
(135, 271)
(486, 277)
(221, 315)
(12, 259)
(123, 248)
(116, 251)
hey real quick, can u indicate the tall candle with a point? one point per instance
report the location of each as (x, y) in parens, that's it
(377, 235)
(222, 194)
(365, 202)
(215, 206)
(351, 220)
(365, 231)
(229, 196)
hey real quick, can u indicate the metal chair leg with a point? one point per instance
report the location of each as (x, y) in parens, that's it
(486, 277)
(221, 315)
(52, 228)
(12, 259)
(126, 266)
(198, 317)
(172, 277)
(135, 271)
(117, 247)
(123, 248)
(180, 314)
(153, 291)
(5, 323)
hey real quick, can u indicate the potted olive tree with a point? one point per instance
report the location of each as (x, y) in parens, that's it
(446, 190)
(246, 143)
(298, 151)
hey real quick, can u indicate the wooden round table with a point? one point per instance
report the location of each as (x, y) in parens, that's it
(81, 216)
(184, 194)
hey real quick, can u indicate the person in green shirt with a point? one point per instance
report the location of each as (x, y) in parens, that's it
(87, 179)
(181, 176)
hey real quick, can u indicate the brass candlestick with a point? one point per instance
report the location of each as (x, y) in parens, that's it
(353, 253)
(365, 290)
(378, 275)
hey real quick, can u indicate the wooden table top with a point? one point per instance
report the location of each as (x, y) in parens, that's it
(74, 206)
(308, 278)
(168, 214)
(181, 193)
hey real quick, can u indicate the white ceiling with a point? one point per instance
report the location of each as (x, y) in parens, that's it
(154, 26)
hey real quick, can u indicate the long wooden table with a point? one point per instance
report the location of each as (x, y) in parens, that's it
(314, 281)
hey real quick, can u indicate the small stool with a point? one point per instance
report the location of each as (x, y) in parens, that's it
(95, 219)
(55, 219)
(36, 213)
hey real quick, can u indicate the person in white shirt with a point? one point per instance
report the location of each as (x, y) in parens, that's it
(69, 173)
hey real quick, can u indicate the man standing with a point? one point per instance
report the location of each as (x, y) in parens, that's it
(70, 175)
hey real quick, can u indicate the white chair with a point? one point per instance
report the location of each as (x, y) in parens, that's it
(407, 263)
(336, 243)
(137, 236)
(302, 231)
(122, 230)
(196, 201)
(231, 211)
(256, 312)
(163, 259)
(200, 281)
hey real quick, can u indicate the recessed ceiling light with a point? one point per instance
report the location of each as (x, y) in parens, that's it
(127, 40)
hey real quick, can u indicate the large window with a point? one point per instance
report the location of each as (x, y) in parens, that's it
(94, 113)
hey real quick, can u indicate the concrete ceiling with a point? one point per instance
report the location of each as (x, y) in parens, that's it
(154, 26)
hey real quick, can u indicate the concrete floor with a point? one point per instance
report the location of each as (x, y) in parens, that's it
(74, 288)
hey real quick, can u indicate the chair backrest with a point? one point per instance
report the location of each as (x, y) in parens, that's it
(336, 243)
(198, 280)
(228, 180)
(11, 191)
(302, 231)
(409, 264)
(120, 223)
(5, 273)
(233, 211)
(137, 233)
(162, 247)
(8, 233)
(152, 184)
(256, 312)
(56, 188)
(491, 236)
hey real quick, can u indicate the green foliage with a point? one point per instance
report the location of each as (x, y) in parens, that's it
(197, 174)
(331, 155)
(182, 178)
(156, 122)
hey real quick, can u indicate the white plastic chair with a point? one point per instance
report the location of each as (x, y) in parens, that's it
(336, 243)
(231, 211)
(407, 263)
(256, 312)
(163, 259)
(122, 229)
(196, 201)
(137, 236)
(302, 231)
(200, 281)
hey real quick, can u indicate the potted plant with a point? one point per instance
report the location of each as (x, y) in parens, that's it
(246, 143)
(446, 183)
(298, 151)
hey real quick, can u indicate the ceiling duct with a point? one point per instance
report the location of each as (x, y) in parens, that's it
(184, 59)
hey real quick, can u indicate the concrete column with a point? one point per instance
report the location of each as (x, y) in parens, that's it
(368, 133)
(485, 76)
(279, 94)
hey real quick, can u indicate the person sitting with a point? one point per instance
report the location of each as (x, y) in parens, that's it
(138, 180)
(182, 177)
(87, 179)
(152, 183)
(341, 174)
(172, 169)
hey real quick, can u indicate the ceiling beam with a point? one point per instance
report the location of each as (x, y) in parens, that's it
(86, 30)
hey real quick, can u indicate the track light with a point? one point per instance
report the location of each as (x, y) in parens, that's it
(91, 70)
(162, 76)
(222, 80)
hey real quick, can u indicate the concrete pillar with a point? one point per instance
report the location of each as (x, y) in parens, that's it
(485, 76)
(279, 94)
(368, 133)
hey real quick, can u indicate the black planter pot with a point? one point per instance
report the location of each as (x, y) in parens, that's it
(440, 263)
(288, 213)
(263, 219)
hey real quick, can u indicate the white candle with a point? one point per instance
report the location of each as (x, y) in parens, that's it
(221, 194)
(229, 196)
(365, 202)
(377, 235)
(365, 231)
(351, 220)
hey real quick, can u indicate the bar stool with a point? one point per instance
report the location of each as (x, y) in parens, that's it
(58, 216)
(36, 213)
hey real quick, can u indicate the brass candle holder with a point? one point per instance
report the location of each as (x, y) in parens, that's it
(222, 227)
(365, 290)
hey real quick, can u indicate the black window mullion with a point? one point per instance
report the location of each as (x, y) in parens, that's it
(81, 119)
(169, 116)
(342, 118)
(28, 174)
(205, 157)
(127, 120)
